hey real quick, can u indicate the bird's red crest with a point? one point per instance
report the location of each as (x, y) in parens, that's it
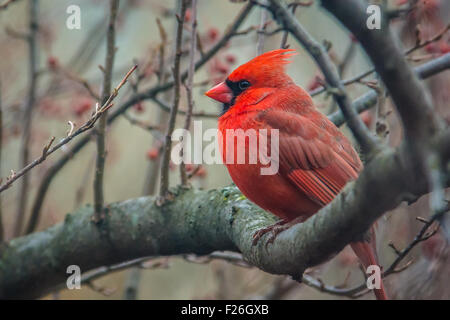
(274, 58)
(265, 67)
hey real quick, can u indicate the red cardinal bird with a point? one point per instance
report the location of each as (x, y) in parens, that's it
(315, 159)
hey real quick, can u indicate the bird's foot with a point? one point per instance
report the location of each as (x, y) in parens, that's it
(258, 234)
(275, 230)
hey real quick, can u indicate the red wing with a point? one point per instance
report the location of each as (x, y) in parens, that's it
(316, 161)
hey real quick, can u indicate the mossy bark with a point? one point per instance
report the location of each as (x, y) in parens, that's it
(201, 222)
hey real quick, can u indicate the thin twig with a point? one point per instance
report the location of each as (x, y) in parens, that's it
(101, 128)
(284, 44)
(360, 290)
(300, 4)
(162, 48)
(189, 85)
(345, 82)
(435, 171)
(434, 38)
(5, 4)
(261, 29)
(409, 95)
(141, 263)
(201, 114)
(342, 66)
(147, 127)
(71, 76)
(152, 263)
(28, 113)
(369, 99)
(421, 236)
(231, 257)
(2, 235)
(151, 180)
(164, 184)
(357, 78)
(86, 126)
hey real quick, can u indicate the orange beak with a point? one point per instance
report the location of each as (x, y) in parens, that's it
(221, 93)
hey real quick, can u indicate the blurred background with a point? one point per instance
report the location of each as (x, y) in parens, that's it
(65, 57)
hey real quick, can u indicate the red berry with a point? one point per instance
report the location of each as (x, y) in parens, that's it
(315, 83)
(82, 107)
(431, 48)
(366, 117)
(230, 58)
(221, 68)
(187, 16)
(444, 47)
(432, 247)
(139, 107)
(153, 154)
(213, 33)
(52, 62)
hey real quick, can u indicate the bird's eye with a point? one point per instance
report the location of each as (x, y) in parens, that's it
(244, 84)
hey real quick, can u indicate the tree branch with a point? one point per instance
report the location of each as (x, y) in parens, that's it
(101, 127)
(28, 113)
(204, 221)
(189, 85)
(4, 5)
(48, 150)
(369, 99)
(167, 148)
(409, 95)
(1, 146)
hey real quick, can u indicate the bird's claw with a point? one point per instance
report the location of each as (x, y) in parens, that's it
(275, 229)
(275, 232)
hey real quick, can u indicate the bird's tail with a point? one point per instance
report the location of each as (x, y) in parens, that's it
(366, 252)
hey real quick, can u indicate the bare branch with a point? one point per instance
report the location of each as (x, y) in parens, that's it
(261, 29)
(151, 181)
(393, 268)
(369, 99)
(408, 93)
(357, 78)
(4, 5)
(85, 127)
(101, 128)
(143, 125)
(71, 76)
(190, 84)
(293, 6)
(1, 147)
(28, 113)
(435, 38)
(174, 110)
